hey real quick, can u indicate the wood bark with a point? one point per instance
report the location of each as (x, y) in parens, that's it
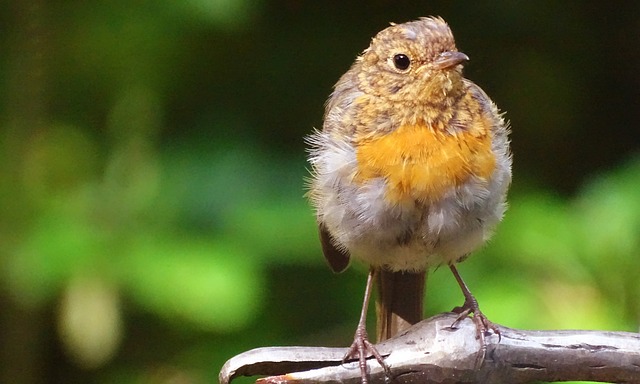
(432, 352)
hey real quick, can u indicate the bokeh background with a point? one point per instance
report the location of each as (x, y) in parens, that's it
(152, 219)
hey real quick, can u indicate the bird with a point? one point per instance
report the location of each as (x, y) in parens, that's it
(409, 172)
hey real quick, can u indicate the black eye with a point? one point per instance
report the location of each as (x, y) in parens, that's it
(401, 61)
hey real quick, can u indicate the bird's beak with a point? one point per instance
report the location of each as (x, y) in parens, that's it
(450, 59)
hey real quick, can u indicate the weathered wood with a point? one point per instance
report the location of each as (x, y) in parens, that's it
(433, 352)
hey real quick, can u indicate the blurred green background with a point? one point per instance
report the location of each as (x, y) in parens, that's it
(152, 219)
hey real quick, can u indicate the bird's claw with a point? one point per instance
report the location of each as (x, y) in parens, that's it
(483, 326)
(360, 350)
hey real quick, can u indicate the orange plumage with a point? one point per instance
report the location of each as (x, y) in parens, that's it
(422, 163)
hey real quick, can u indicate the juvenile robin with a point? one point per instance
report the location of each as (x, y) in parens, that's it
(410, 171)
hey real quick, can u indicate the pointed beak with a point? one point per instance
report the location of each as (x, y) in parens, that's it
(450, 59)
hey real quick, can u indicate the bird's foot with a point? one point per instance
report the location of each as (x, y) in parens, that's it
(483, 325)
(360, 350)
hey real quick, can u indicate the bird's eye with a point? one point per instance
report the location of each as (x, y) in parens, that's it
(401, 61)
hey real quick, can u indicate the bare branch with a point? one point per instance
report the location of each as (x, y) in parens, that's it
(433, 352)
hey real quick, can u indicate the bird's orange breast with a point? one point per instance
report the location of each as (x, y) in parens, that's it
(422, 163)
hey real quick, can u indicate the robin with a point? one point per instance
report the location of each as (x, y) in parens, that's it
(410, 171)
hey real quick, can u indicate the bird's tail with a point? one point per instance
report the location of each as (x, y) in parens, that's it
(399, 301)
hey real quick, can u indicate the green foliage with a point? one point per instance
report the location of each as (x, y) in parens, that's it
(190, 281)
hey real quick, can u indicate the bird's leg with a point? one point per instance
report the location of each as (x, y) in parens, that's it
(361, 346)
(483, 325)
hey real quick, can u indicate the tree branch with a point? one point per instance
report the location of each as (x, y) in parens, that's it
(432, 352)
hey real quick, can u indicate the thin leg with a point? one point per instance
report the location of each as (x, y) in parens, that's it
(483, 325)
(361, 346)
